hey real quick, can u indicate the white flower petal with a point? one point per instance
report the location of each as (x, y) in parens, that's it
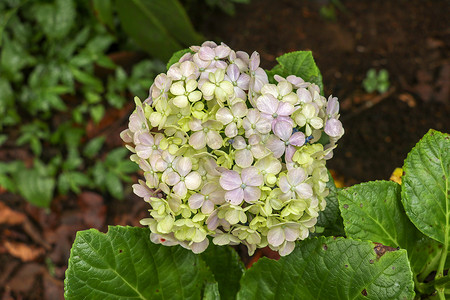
(198, 140)
(244, 158)
(267, 104)
(275, 236)
(231, 130)
(178, 88)
(304, 191)
(208, 89)
(296, 176)
(180, 189)
(276, 145)
(224, 115)
(180, 101)
(214, 140)
(252, 194)
(287, 248)
(235, 196)
(199, 247)
(193, 181)
(230, 180)
(251, 177)
(196, 201)
(207, 207)
(172, 178)
(291, 233)
(284, 184)
(184, 166)
(195, 96)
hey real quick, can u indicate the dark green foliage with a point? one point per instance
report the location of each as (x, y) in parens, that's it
(54, 65)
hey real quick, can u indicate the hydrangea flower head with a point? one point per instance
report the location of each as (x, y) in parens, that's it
(228, 157)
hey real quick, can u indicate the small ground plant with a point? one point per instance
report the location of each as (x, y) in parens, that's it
(377, 239)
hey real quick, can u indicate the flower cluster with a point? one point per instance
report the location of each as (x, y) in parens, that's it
(228, 155)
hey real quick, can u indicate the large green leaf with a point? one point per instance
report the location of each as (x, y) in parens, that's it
(160, 27)
(125, 264)
(227, 268)
(426, 186)
(373, 211)
(330, 268)
(298, 63)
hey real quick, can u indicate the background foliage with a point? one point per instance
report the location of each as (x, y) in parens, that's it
(60, 76)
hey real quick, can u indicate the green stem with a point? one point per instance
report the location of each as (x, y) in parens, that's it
(442, 281)
(430, 267)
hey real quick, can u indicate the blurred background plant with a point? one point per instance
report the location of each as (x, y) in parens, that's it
(66, 67)
(376, 81)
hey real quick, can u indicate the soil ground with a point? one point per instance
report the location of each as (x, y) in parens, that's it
(411, 39)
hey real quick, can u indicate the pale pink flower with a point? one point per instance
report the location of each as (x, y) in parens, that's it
(255, 124)
(258, 75)
(239, 80)
(282, 91)
(277, 112)
(147, 144)
(293, 186)
(246, 152)
(143, 191)
(150, 172)
(232, 117)
(138, 121)
(185, 71)
(244, 186)
(282, 232)
(205, 134)
(286, 143)
(215, 55)
(240, 59)
(211, 194)
(182, 179)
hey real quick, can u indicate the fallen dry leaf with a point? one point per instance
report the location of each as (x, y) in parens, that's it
(53, 288)
(9, 216)
(25, 278)
(93, 209)
(23, 251)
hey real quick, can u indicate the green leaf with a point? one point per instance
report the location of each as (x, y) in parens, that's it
(330, 219)
(125, 264)
(298, 63)
(114, 185)
(104, 12)
(159, 27)
(73, 181)
(211, 291)
(55, 19)
(176, 57)
(4, 21)
(97, 112)
(93, 147)
(87, 79)
(115, 156)
(36, 187)
(330, 268)
(373, 211)
(426, 186)
(227, 268)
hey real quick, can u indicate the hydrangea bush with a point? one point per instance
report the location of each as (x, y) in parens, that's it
(227, 154)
